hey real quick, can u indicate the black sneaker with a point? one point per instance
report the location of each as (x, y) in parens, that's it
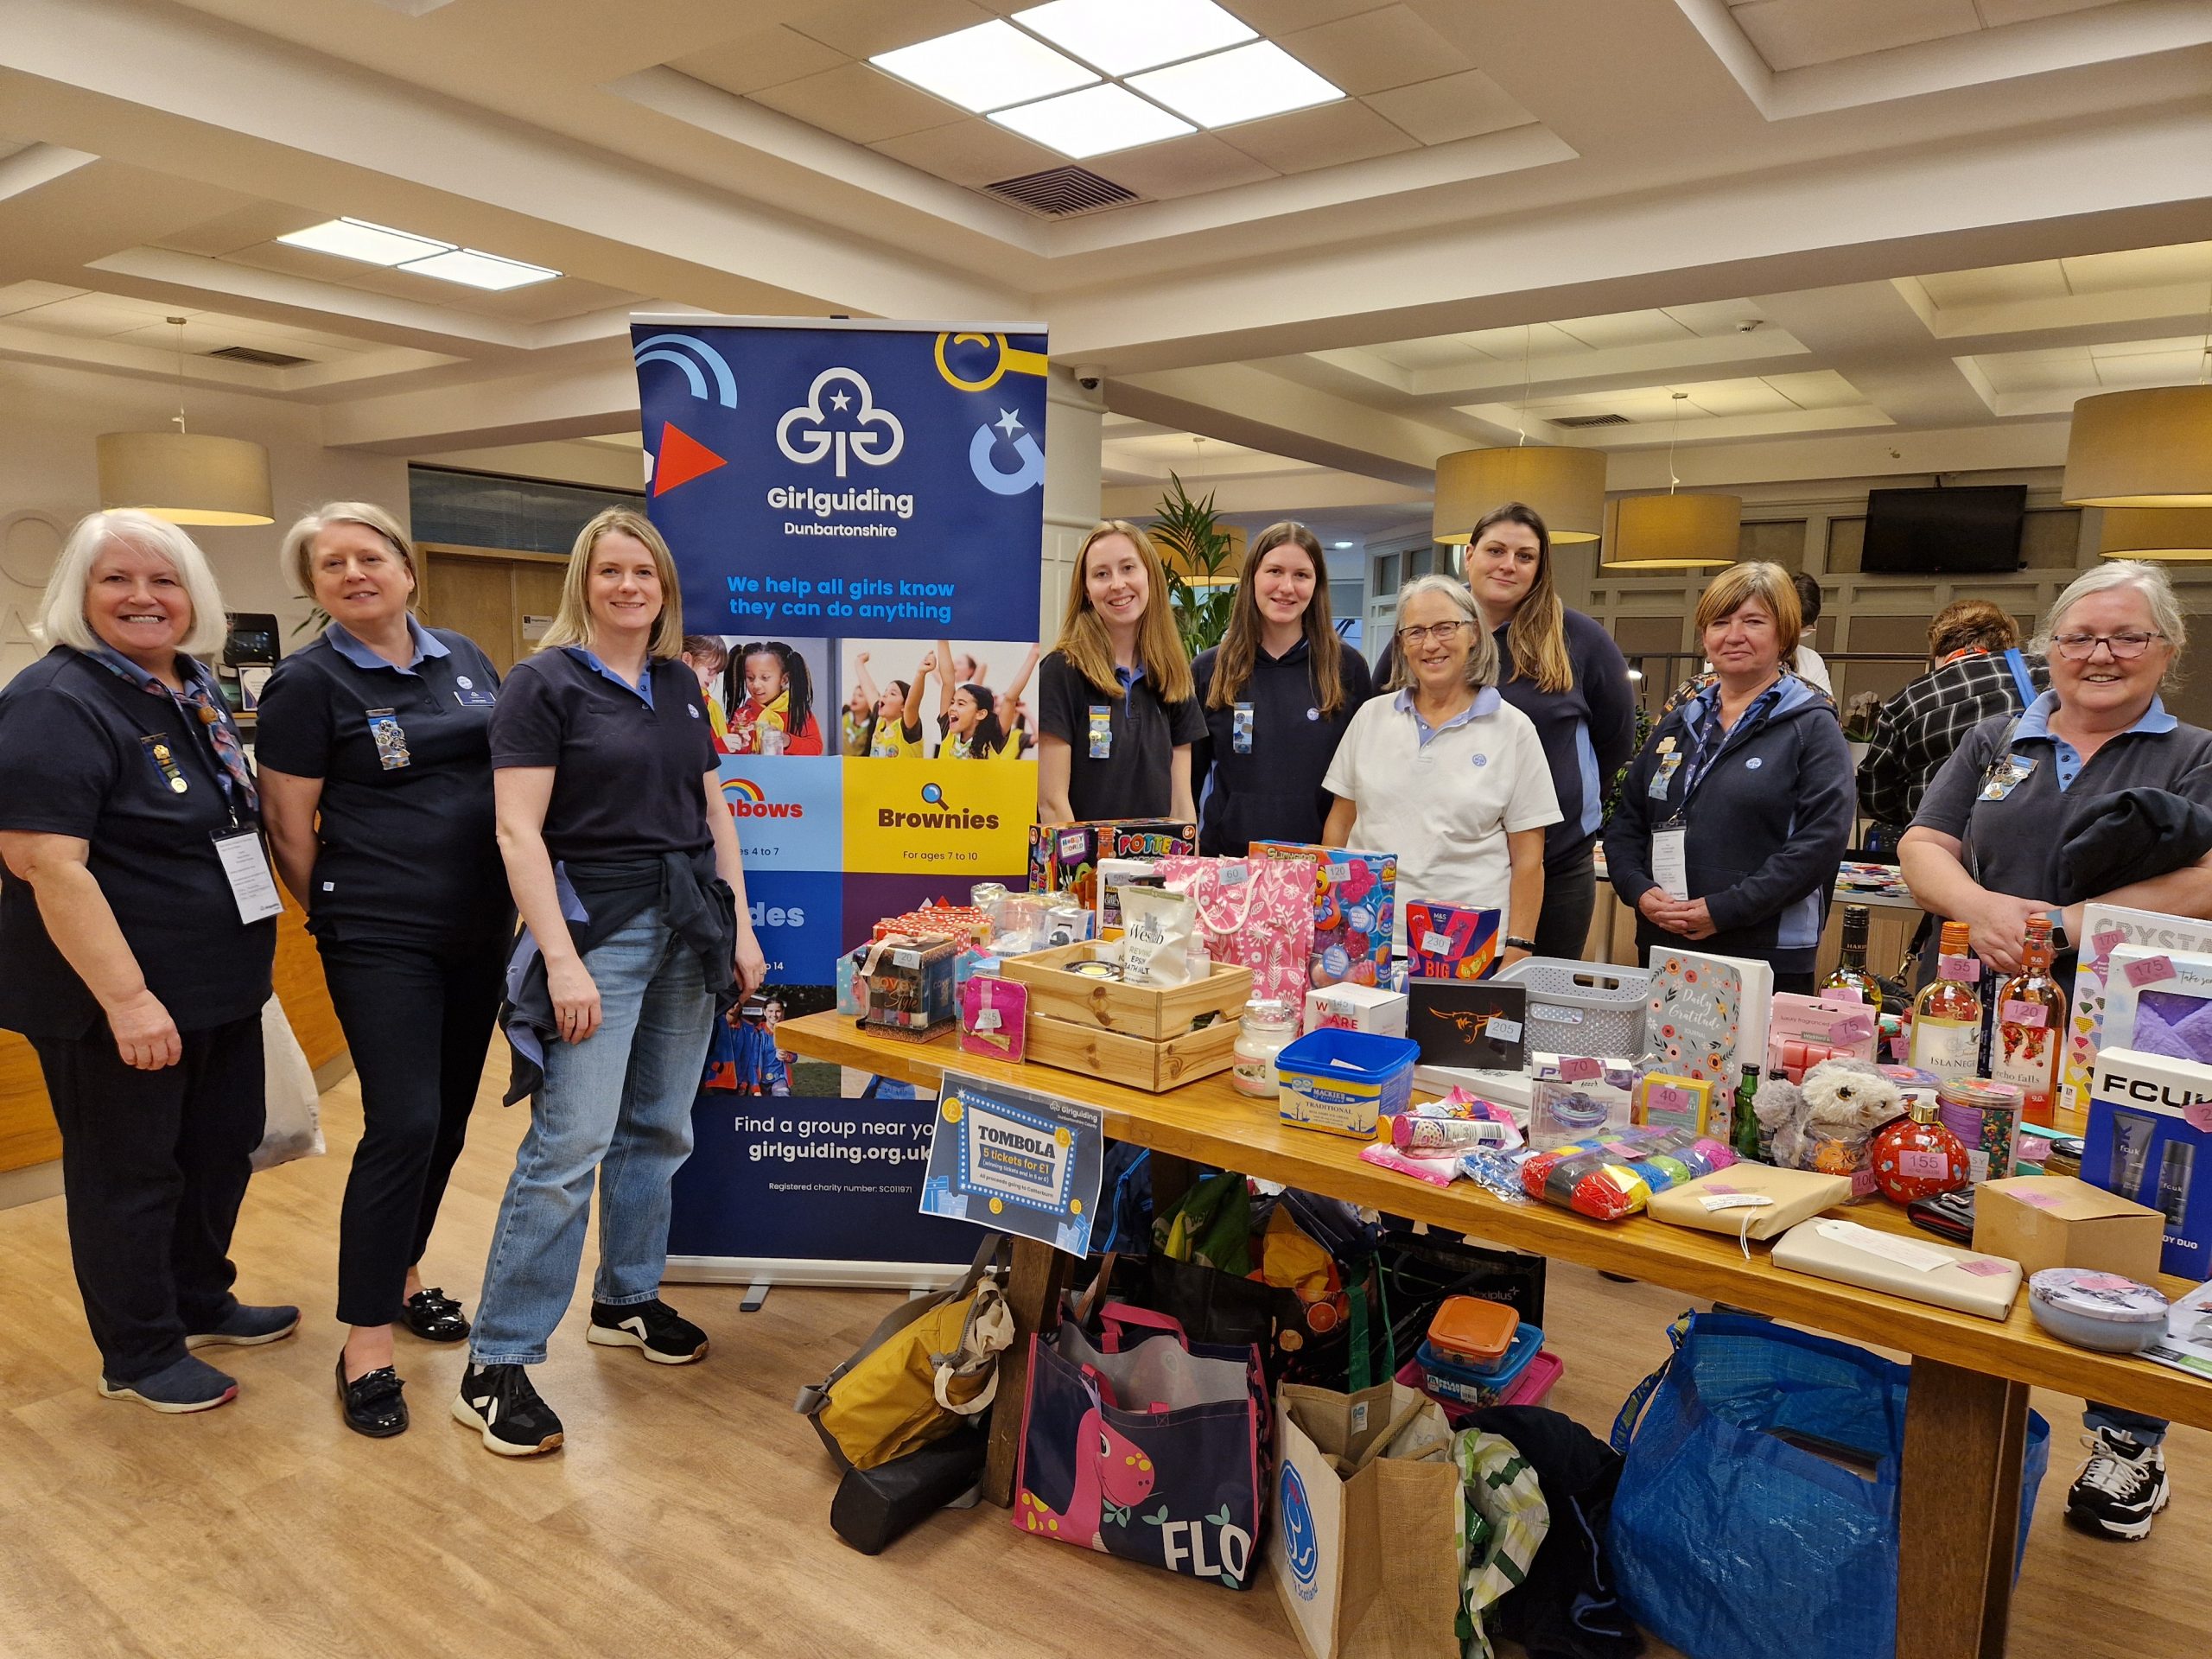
(498, 1403)
(654, 1329)
(2119, 1489)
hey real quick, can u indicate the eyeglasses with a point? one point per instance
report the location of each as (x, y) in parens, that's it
(1412, 639)
(2123, 647)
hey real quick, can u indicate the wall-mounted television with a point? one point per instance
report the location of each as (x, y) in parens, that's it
(1917, 532)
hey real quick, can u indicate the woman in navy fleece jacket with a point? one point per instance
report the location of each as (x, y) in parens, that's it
(1752, 769)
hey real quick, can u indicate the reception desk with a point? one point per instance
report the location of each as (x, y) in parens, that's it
(27, 1133)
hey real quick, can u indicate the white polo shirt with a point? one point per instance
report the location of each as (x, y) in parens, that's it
(1444, 798)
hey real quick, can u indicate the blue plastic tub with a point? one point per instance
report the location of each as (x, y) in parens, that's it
(1345, 1081)
(1452, 1379)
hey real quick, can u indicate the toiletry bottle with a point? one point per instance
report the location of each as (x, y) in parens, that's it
(1947, 1015)
(2030, 1027)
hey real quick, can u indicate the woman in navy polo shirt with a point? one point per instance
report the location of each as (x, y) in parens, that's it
(1278, 692)
(375, 772)
(138, 925)
(623, 859)
(1116, 713)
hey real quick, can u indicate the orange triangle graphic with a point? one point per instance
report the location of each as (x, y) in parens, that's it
(682, 458)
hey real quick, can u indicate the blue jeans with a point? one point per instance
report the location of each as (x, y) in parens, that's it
(2147, 1431)
(617, 1103)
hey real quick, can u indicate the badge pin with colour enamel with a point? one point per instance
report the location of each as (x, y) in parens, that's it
(164, 759)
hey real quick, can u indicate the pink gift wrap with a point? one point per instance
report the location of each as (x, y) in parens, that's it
(1355, 907)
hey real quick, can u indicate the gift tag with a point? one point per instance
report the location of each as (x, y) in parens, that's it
(1713, 1200)
(1902, 1251)
(252, 888)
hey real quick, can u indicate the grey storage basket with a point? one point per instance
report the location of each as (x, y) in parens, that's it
(1593, 1008)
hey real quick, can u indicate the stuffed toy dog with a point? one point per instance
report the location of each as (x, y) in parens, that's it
(1825, 1123)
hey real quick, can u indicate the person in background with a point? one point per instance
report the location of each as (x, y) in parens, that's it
(895, 713)
(1975, 669)
(1446, 773)
(624, 861)
(706, 656)
(131, 957)
(1117, 710)
(973, 722)
(376, 776)
(1734, 817)
(1278, 692)
(1807, 664)
(2112, 639)
(856, 722)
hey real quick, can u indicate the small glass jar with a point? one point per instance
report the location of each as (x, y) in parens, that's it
(1267, 1029)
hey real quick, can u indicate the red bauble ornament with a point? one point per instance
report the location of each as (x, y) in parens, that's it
(1917, 1157)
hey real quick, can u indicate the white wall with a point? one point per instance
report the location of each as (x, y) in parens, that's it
(49, 418)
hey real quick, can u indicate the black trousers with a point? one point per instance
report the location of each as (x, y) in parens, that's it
(1570, 899)
(418, 1017)
(154, 1167)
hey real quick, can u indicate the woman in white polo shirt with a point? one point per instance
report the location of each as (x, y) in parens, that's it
(1446, 773)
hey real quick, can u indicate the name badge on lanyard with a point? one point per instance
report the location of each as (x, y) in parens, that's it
(1671, 866)
(1664, 779)
(1102, 731)
(2005, 775)
(1239, 728)
(252, 888)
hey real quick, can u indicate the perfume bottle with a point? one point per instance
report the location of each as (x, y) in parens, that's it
(1947, 1015)
(2030, 1027)
(1851, 970)
(1916, 1157)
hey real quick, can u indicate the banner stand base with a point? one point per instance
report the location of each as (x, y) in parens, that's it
(760, 1274)
(756, 1296)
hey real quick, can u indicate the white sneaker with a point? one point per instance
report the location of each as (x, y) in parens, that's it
(2119, 1489)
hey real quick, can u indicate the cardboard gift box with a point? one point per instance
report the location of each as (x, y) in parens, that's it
(1355, 1007)
(1355, 908)
(909, 978)
(2054, 1221)
(2150, 1139)
(1064, 857)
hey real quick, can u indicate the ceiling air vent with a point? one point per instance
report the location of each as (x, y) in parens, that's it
(1579, 420)
(255, 354)
(1058, 191)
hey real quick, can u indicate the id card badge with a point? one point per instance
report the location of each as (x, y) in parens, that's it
(469, 695)
(1102, 731)
(1239, 728)
(390, 739)
(252, 888)
(2005, 775)
(1670, 860)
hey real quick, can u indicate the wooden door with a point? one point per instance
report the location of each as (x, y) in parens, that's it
(503, 601)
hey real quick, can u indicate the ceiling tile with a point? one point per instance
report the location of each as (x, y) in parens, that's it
(1441, 352)
(2107, 273)
(1280, 19)
(1187, 166)
(1376, 50)
(2149, 368)
(1507, 346)
(1744, 397)
(861, 28)
(1329, 136)
(2140, 348)
(1998, 13)
(1716, 317)
(21, 296)
(1624, 328)
(1792, 34)
(2058, 369)
(1817, 389)
(972, 152)
(2042, 279)
(768, 58)
(97, 316)
(860, 102)
(1464, 105)
(228, 232)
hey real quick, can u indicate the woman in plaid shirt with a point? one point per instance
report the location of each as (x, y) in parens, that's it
(1976, 670)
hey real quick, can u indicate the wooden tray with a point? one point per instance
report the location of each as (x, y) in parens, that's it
(1140, 1011)
(1131, 1061)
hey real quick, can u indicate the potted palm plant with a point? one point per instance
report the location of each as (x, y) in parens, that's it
(1201, 577)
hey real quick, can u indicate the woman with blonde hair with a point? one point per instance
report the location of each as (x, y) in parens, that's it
(1278, 693)
(1733, 819)
(624, 862)
(1116, 714)
(376, 774)
(138, 925)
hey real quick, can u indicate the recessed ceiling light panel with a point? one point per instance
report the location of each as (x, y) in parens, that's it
(987, 67)
(1092, 122)
(480, 269)
(1123, 36)
(1242, 84)
(357, 239)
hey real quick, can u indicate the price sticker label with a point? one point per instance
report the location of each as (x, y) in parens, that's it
(1575, 1068)
(1920, 1165)
(1505, 1031)
(1669, 1097)
(1983, 1269)
(2198, 1115)
(2017, 1013)
(2151, 970)
(2101, 946)
(1436, 945)
(2039, 1201)
(1965, 968)
(1853, 1028)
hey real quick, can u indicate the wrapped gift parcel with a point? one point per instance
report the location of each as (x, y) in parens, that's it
(964, 924)
(909, 977)
(1355, 907)
(1063, 857)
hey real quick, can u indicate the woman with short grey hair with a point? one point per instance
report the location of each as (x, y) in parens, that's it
(137, 928)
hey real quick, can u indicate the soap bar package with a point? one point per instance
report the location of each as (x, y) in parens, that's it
(1468, 1026)
(1355, 908)
(2150, 1140)
(1451, 941)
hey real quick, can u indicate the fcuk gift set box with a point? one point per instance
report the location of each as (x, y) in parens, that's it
(2150, 1140)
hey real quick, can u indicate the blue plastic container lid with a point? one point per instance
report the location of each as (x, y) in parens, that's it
(1361, 1056)
(1527, 1342)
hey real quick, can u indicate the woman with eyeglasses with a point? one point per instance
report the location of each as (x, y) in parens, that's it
(1986, 847)
(1447, 774)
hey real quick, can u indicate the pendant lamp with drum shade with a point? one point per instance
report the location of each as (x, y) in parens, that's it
(2174, 533)
(1566, 487)
(1671, 531)
(187, 477)
(2149, 448)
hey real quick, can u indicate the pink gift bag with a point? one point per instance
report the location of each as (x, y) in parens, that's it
(1255, 912)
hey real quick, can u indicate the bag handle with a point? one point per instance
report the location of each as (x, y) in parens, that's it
(1632, 1409)
(989, 1256)
(1114, 1315)
(1089, 1300)
(985, 1333)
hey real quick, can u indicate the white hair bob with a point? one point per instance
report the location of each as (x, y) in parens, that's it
(2145, 578)
(61, 619)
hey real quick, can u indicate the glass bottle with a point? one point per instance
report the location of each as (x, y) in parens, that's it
(2030, 1027)
(1265, 1030)
(1916, 1157)
(1947, 1015)
(1744, 1132)
(1851, 971)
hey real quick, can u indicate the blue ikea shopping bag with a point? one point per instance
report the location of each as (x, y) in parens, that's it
(1743, 1527)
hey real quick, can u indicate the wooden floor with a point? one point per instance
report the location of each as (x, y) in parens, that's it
(688, 1514)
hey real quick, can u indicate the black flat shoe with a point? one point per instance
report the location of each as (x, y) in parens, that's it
(435, 1316)
(371, 1401)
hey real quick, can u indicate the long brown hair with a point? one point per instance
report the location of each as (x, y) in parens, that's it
(1239, 647)
(1536, 637)
(1083, 640)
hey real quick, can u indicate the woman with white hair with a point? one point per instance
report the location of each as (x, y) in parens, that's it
(137, 927)
(2113, 640)
(1447, 774)
(376, 774)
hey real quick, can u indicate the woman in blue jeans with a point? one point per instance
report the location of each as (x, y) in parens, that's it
(624, 862)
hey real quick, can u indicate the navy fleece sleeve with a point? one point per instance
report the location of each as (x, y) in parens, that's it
(1603, 672)
(1628, 832)
(1819, 833)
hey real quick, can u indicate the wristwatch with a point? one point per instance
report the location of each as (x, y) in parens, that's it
(2058, 939)
(1513, 943)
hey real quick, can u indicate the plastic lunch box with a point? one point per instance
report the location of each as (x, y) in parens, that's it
(1451, 1381)
(1473, 1333)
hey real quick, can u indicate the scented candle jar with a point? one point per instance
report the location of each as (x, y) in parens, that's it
(1265, 1030)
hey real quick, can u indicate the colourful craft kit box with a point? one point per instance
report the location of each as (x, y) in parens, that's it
(1355, 907)
(1063, 857)
(1451, 941)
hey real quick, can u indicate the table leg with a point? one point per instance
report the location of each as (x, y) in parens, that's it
(1965, 1436)
(1034, 1291)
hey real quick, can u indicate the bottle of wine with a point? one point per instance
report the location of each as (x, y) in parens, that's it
(2030, 1028)
(1851, 971)
(1743, 1134)
(1947, 1015)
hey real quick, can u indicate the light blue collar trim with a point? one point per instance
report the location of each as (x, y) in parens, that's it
(1486, 703)
(426, 645)
(643, 689)
(2035, 719)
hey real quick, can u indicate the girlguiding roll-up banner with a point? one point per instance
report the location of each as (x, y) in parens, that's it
(857, 510)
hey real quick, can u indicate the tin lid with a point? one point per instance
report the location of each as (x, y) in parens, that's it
(2109, 1296)
(1984, 1094)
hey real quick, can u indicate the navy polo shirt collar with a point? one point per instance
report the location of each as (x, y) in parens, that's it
(426, 645)
(1485, 702)
(643, 689)
(2035, 723)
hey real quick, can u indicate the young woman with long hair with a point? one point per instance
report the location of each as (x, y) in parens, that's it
(1277, 694)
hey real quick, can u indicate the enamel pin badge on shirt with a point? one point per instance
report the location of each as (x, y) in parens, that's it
(1239, 728)
(2004, 776)
(469, 695)
(164, 759)
(390, 741)
(1102, 731)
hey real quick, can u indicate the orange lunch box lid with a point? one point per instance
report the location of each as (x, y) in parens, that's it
(1473, 1328)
